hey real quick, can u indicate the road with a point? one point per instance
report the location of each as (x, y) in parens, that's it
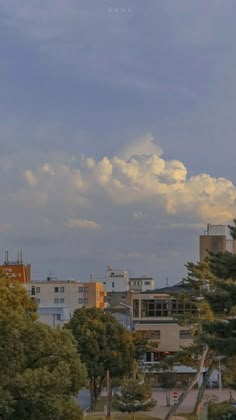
(188, 404)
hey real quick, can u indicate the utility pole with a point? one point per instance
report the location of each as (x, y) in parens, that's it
(220, 379)
(108, 396)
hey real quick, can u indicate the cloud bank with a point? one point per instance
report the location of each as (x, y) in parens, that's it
(135, 209)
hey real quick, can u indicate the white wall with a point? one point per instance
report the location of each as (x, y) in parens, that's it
(116, 281)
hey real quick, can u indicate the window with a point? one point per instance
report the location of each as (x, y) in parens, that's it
(58, 317)
(56, 289)
(62, 289)
(86, 290)
(185, 334)
(37, 289)
(56, 300)
(154, 308)
(38, 301)
(148, 356)
(135, 308)
(33, 291)
(81, 301)
(81, 289)
(85, 301)
(61, 300)
(147, 283)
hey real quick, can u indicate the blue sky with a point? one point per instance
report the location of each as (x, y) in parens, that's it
(117, 132)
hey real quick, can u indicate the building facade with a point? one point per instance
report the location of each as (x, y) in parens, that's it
(216, 239)
(141, 284)
(57, 300)
(119, 281)
(16, 270)
(156, 316)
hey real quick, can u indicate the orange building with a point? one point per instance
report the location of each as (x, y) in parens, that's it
(95, 294)
(16, 270)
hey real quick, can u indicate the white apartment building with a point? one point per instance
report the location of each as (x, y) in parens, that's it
(57, 300)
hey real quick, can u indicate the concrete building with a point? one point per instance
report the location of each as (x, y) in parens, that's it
(114, 280)
(141, 284)
(119, 281)
(57, 300)
(16, 269)
(155, 314)
(119, 305)
(216, 239)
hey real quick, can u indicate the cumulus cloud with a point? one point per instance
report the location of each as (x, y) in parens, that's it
(30, 178)
(141, 176)
(82, 224)
(143, 146)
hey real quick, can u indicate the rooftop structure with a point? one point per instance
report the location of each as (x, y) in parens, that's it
(16, 269)
(216, 239)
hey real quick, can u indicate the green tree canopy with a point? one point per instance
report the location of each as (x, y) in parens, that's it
(103, 345)
(40, 369)
(220, 334)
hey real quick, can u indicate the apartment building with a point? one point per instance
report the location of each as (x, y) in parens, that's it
(57, 300)
(216, 239)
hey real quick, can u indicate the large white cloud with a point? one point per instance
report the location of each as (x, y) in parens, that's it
(142, 177)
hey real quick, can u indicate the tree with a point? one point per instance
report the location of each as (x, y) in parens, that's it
(232, 229)
(134, 397)
(40, 370)
(103, 345)
(221, 411)
(220, 334)
(198, 355)
(166, 375)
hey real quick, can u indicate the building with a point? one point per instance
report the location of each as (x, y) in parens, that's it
(155, 315)
(57, 300)
(216, 239)
(141, 284)
(119, 305)
(16, 270)
(119, 281)
(114, 280)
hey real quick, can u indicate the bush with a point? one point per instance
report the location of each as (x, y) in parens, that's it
(221, 411)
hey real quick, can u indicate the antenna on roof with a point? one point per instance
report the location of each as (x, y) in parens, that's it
(167, 282)
(6, 257)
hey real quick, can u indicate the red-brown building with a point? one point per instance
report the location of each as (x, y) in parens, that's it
(16, 270)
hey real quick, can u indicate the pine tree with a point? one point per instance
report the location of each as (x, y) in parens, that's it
(198, 280)
(134, 397)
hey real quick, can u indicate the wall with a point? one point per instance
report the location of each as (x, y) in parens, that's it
(213, 243)
(170, 340)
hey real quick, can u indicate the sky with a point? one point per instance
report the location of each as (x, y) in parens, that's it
(117, 133)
